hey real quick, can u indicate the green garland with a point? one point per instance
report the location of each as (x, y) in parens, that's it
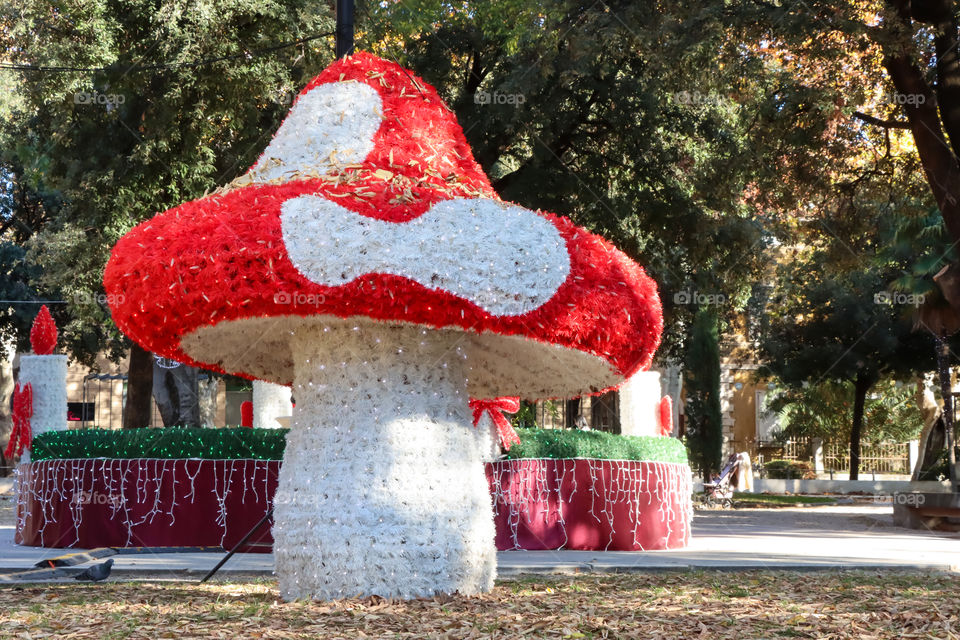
(229, 444)
(571, 443)
(268, 444)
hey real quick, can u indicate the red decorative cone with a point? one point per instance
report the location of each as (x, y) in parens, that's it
(43, 334)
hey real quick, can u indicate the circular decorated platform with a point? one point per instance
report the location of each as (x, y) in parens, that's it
(622, 505)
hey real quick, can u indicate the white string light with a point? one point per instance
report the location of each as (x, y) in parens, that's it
(156, 486)
(527, 489)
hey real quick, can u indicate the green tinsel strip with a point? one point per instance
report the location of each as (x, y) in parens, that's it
(268, 444)
(219, 444)
(558, 443)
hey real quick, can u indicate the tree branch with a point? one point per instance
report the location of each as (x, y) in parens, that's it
(878, 122)
(936, 154)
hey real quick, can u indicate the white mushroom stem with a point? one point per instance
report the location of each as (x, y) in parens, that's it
(382, 489)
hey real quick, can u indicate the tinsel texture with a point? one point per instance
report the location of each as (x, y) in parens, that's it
(366, 259)
(389, 501)
(43, 333)
(47, 375)
(616, 505)
(21, 435)
(400, 226)
(495, 409)
(666, 416)
(270, 401)
(246, 413)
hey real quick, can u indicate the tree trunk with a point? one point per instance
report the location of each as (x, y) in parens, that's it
(6, 393)
(136, 413)
(946, 391)
(936, 154)
(930, 410)
(861, 386)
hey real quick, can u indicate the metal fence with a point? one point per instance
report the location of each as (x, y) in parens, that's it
(763, 451)
(103, 403)
(876, 457)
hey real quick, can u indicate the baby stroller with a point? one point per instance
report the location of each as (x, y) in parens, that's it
(720, 490)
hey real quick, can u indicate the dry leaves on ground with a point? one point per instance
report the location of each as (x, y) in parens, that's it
(853, 604)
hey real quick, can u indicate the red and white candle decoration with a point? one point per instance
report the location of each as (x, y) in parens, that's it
(46, 374)
(641, 406)
(366, 260)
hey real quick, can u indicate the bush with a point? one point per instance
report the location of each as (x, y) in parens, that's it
(789, 469)
(268, 444)
(563, 443)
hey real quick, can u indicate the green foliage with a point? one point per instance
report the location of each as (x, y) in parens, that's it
(526, 416)
(643, 122)
(573, 443)
(268, 444)
(789, 469)
(773, 500)
(235, 443)
(159, 138)
(920, 246)
(826, 324)
(824, 411)
(702, 383)
(16, 273)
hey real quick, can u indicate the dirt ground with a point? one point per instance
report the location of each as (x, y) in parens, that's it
(850, 605)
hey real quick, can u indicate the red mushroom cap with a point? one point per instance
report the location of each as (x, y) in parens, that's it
(368, 207)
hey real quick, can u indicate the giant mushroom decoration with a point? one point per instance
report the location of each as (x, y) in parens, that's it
(366, 260)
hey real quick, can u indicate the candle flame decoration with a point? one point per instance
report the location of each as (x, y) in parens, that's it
(43, 334)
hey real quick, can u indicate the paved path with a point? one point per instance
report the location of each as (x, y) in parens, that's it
(811, 538)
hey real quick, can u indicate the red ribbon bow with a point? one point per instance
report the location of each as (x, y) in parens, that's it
(496, 408)
(20, 437)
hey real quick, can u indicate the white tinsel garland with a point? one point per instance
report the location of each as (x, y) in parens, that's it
(488, 438)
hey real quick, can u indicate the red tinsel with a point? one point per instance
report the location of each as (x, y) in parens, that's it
(666, 416)
(43, 333)
(223, 257)
(246, 414)
(496, 408)
(21, 436)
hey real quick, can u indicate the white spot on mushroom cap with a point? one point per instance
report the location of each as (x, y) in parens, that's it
(330, 126)
(505, 259)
